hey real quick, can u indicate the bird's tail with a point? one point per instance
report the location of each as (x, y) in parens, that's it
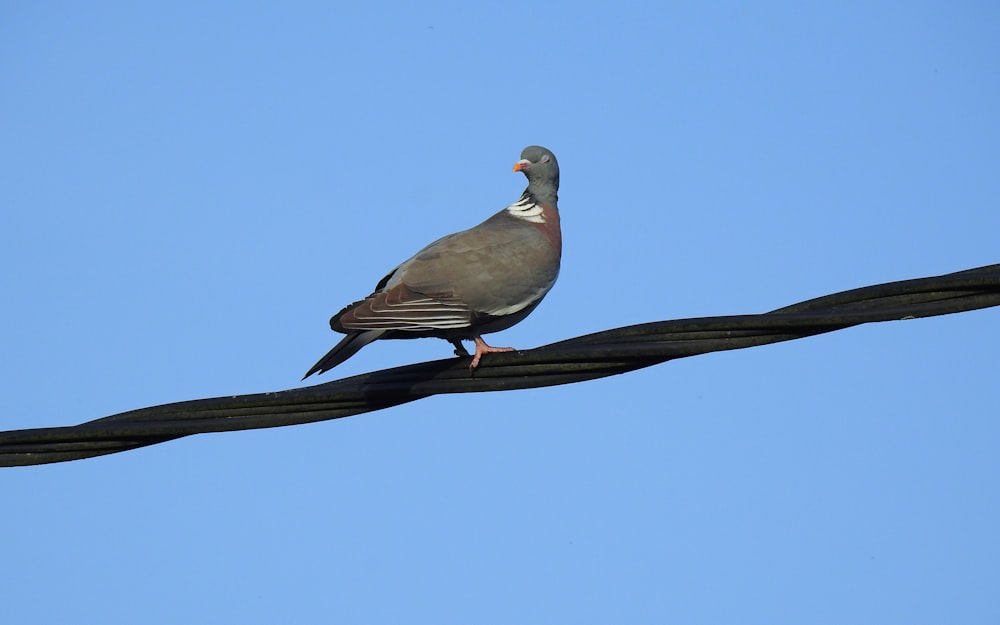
(347, 347)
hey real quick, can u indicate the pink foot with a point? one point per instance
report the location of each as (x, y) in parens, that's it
(483, 348)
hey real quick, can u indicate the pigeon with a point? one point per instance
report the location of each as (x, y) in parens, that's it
(481, 280)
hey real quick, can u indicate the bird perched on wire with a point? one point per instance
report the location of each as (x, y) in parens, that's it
(466, 284)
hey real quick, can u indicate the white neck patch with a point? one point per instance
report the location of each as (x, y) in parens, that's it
(527, 210)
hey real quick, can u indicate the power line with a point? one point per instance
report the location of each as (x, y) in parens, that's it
(574, 360)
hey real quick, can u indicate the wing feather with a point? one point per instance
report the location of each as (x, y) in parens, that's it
(402, 308)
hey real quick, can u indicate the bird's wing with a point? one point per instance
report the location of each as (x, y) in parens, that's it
(497, 268)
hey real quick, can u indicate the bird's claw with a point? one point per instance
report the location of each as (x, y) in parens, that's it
(483, 348)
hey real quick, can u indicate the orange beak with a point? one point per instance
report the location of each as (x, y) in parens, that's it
(522, 164)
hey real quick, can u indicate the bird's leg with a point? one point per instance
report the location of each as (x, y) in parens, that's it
(459, 348)
(483, 348)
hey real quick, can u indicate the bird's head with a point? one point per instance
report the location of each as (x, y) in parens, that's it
(540, 167)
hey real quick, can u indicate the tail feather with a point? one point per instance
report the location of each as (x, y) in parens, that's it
(347, 347)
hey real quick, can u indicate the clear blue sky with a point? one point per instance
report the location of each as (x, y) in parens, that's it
(190, 190)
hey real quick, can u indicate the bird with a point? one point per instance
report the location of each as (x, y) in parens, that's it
(467, 284)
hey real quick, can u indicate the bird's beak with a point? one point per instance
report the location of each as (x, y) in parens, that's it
(522, 164)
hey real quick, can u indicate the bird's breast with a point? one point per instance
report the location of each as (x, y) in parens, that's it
(549, 226)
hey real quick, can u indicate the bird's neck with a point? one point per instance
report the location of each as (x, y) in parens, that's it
(542, 214)
(528, 208)
(546, 192)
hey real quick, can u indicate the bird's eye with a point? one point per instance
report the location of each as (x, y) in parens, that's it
(545, 158)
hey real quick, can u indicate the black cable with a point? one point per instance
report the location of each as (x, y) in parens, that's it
(575, 360)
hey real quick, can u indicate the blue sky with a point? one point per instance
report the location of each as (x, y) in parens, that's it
(191, 190)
